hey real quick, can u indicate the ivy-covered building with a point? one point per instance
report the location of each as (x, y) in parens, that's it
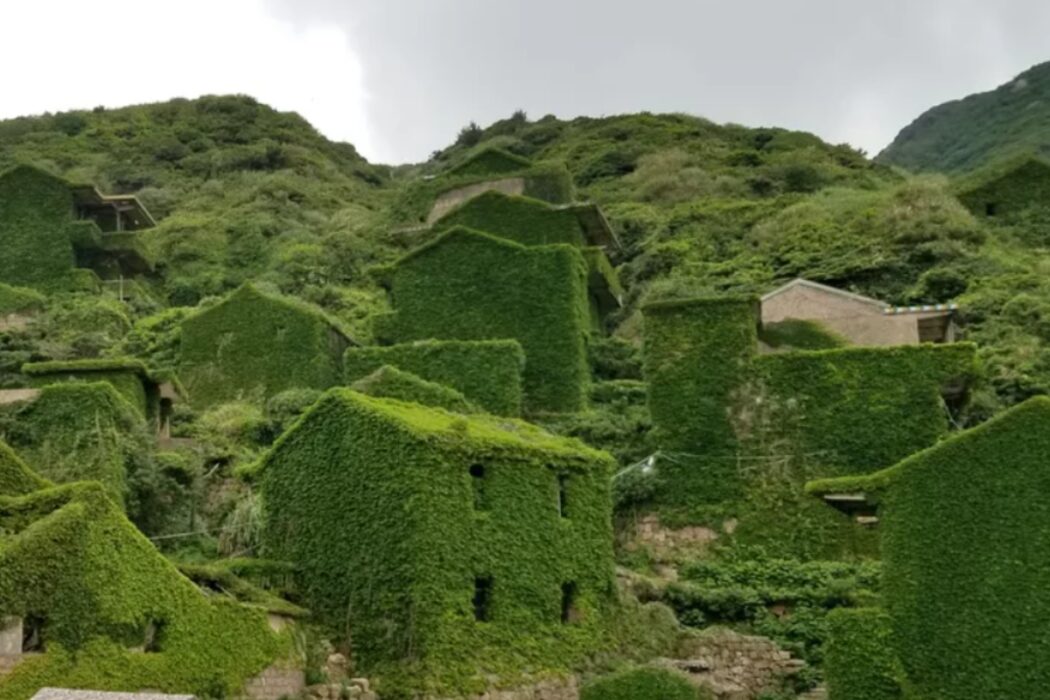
(253, 345)
(51, 228)
(469, 285)
(1007, 188)
(86, 601)
(965, 541)
(495, 170)
(745, 430)
(152, 396)
(449, 548)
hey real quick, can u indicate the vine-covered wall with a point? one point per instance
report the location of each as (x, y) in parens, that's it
(390, 382)
(16, 478)
(520, 219)
(472, 286)
(77, 432)
(70, 561)
(487, 372)
(36, 214)
(397, 515)
(129, 377)
(254, 345)
(860, 661)
(1008, 189)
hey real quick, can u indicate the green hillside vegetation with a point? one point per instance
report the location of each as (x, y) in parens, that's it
(967, 134)
(249, 198)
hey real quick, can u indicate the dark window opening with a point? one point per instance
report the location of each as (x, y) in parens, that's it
(991, 209)
(33, 639)
(569, 613)
(482, 598)
(153, 643)
(563, 495)
(477, 476)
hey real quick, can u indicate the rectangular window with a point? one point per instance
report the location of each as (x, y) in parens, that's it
(482, 598)
(477, 478)
(33, 639)
(154, 637)
(563, 495)
(569, 613)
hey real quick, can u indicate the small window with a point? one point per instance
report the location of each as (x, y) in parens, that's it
(569, 613)
(991, 209)
(563, 495)
(482, 598)
(33, 639)
(477, 477)
(154, 637)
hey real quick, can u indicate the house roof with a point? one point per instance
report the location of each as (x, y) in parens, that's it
(800, 282)
(488, 431)
(490, 160)
(870, 485)
(250, 291)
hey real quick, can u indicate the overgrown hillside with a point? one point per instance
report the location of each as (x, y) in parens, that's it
(966, 134)
(244, 192)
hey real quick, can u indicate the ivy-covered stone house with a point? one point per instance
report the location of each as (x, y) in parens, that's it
(448, 548)
(50, 229)
(1007, 188)
(152, 396)
(253, 345)
(533, 222)
(965, 543)
(470, 285)
(86, 601)
(858, 319)
(731, 419)
(495, 170)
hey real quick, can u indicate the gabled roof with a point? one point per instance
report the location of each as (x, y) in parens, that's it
(447, 428)
(1000, 170)
(463, 233)
(870, 485)
(249, 292)
(800, 282)
(490, 161)
(16, 478)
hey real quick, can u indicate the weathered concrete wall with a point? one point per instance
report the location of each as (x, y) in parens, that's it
(859, 322)
(9, 396)
(453, 198)
(10, 636)
(275, 683)
(13, 322)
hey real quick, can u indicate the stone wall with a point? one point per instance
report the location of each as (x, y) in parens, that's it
(453, 198)
(735, 666)
(275, 683)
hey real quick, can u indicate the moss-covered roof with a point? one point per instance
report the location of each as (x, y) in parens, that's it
(128, 364)
(390, 382)
(872, 484)
(249, 291)
(16, 478)
(490, 161)
(429, 422)
(1000, 169)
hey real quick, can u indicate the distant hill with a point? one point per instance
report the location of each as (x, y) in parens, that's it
(963, 135)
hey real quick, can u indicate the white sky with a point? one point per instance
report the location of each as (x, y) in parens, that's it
(398, 78)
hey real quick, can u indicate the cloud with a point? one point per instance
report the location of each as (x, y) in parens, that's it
(60, 55)
(399, 78)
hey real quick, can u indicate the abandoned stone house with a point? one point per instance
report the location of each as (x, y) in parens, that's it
(415, 530)
(256, 344)
(966, 620)
(51, 228)
(495, 170)
(153, 397)
(1002, 190)
(858, 319)
(469, 285)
